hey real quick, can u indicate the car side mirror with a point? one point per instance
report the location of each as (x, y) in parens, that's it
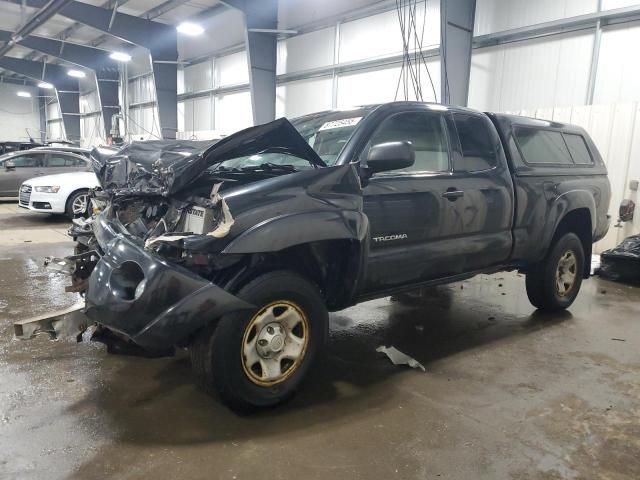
(9, 165)
(390, 156)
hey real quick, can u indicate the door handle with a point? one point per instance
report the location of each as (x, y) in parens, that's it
(452, 194)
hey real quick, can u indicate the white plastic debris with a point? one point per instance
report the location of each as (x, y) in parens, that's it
(595, 263)
(227, 219)
(399, 358)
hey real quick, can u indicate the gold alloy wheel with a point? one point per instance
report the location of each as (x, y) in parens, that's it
(566, 273)
(274, 343)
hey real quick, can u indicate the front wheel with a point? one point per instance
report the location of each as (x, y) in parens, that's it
(554, 283)
(78, 205)
(258, 359)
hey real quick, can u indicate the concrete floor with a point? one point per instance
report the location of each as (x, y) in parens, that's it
(508, 393)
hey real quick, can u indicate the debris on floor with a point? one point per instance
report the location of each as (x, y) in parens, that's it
(399, 358)
(622, 263)
(595, 263)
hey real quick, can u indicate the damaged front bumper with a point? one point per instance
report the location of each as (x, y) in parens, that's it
(149, 300)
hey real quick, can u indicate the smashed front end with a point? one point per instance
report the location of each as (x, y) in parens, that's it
(155, 263)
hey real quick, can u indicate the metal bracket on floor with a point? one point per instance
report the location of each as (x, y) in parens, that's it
(70, 322)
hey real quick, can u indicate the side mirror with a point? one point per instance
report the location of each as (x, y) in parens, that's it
(9, 165)
(390, 156)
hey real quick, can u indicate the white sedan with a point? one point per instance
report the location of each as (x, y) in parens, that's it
(63, 193)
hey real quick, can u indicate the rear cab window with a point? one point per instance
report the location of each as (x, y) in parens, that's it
(578, 149)
(477, 142)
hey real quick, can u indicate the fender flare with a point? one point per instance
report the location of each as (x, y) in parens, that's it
(563, 205)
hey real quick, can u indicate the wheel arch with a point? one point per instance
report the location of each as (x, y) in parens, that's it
(580, 222)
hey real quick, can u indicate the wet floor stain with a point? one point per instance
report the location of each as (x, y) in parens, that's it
(507, 393)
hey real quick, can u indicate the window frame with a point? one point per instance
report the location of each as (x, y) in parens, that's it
(69, 155)
(542, 164)
(26, 153)
(586, 145)
(496, 151)
(396, 173)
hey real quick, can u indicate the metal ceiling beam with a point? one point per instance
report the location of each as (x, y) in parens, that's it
(47, 10)
(67, 89)
(456, 37)
(161, 40)
(106, 69)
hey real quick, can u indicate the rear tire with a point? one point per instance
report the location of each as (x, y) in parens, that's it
(257, 359)
(554, 283)
(78, 205)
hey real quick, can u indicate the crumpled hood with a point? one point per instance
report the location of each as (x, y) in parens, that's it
(164, 167)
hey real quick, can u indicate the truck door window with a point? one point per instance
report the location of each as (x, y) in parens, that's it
(542, 146)
(578, 149)
(425, 131)
(477, 142)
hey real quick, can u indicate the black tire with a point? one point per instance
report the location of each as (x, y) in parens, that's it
(542, 284)
(70, 202)
(217, 354)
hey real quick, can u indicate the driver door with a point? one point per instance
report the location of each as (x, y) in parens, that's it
(412, 219)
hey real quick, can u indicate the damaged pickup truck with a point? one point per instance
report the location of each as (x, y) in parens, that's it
(238, 250)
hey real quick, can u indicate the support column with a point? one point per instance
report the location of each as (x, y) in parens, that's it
(456, 34)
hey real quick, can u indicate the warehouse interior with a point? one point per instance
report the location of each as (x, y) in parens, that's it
(504, 390)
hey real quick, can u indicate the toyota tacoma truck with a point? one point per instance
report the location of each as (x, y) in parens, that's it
(238, 250)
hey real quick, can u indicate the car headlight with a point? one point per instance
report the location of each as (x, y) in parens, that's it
(49, 189)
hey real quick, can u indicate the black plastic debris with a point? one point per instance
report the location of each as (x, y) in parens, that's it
(622, 263)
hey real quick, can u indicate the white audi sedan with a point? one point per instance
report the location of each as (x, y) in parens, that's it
(64, 193)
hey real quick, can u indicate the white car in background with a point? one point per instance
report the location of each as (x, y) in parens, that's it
(64, 193)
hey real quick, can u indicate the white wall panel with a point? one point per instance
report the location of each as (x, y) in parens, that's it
(91, 131)
(530, 74)
(231, 69)
(18, 114)
(55, 130)
(618, 73)
(497, 15)
(143, 124)
(380, 35)
(198, 76)
(303, 52)
(381, 85)
(610, 4)
(198, 114)
(142, 89)
(306, 96)
(53, 110)
(233, 112)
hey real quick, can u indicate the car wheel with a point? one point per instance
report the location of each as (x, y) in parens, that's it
(554, 283)
(258, 359)
(78, 205)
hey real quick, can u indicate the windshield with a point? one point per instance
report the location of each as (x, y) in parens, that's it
(327, 133)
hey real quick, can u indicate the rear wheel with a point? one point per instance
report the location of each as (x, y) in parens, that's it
(258, 359)
(554, 283)
(78, 204)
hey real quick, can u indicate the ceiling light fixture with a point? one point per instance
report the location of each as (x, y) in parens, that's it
(120, 56)
(45, 85)
(24, 94)
(189, 28)
(76, 73)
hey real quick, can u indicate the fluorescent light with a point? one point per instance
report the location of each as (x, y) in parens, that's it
(189, 28)
(76, 73)
(45, 85)
(120, 56)
(24, 94)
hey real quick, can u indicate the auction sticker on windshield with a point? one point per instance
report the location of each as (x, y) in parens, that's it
(345, 122)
